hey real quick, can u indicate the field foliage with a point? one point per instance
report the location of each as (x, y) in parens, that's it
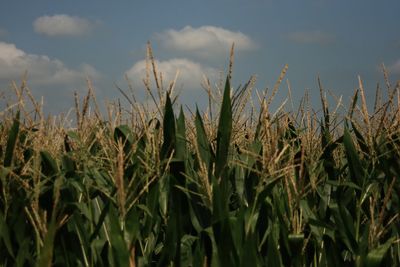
(232, 185)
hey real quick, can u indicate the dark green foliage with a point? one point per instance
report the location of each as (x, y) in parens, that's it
(224, 131)
(182, 194)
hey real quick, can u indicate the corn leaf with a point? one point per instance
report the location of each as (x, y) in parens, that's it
(375, 256)
(356, 169)
(224, 131)
(203, 144)
(181, 136)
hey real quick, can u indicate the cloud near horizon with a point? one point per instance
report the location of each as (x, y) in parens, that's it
(63, 25)
(42, 71)
(190, 73)
(395, 67)
(204, 41)
(310, 37)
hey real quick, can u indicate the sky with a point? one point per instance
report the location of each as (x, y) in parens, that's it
(59, 44)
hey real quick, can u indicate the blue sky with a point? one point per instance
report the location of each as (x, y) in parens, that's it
(60, 43)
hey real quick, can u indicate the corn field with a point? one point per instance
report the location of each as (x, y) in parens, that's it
(221, 187)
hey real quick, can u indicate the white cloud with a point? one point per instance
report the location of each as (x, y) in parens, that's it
(190, 73)
(311, 37)
(395, 67)
(204, 40)
(42, 71)
(62, 25)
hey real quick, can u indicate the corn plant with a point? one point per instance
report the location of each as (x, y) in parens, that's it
(157, 189)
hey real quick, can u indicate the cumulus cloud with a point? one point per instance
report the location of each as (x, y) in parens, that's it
(204, 40)
(42, 71)
(311, 37)
(190, 73)
(62, 25)
(395, 67)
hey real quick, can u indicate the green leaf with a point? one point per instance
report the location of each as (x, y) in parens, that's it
(132, 225)
(163, 194)
(344, 226)
(249, 253)
(24, 253)
(203, 144)
(353, 104)
(68, 165)
(273, 255)
(224, 131)
(12, 139)
(49, 165)
(101, 220)
(222, 229)
(181, 137)
(170, 249)
(332, 253)
(46, 253)
(118, 245)
(344, 184)
(375, 256)
(186, 250)
(124, 133)
(5, 235)
(360, 139)
(327, 156)
(168, 130)
(357, 172)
